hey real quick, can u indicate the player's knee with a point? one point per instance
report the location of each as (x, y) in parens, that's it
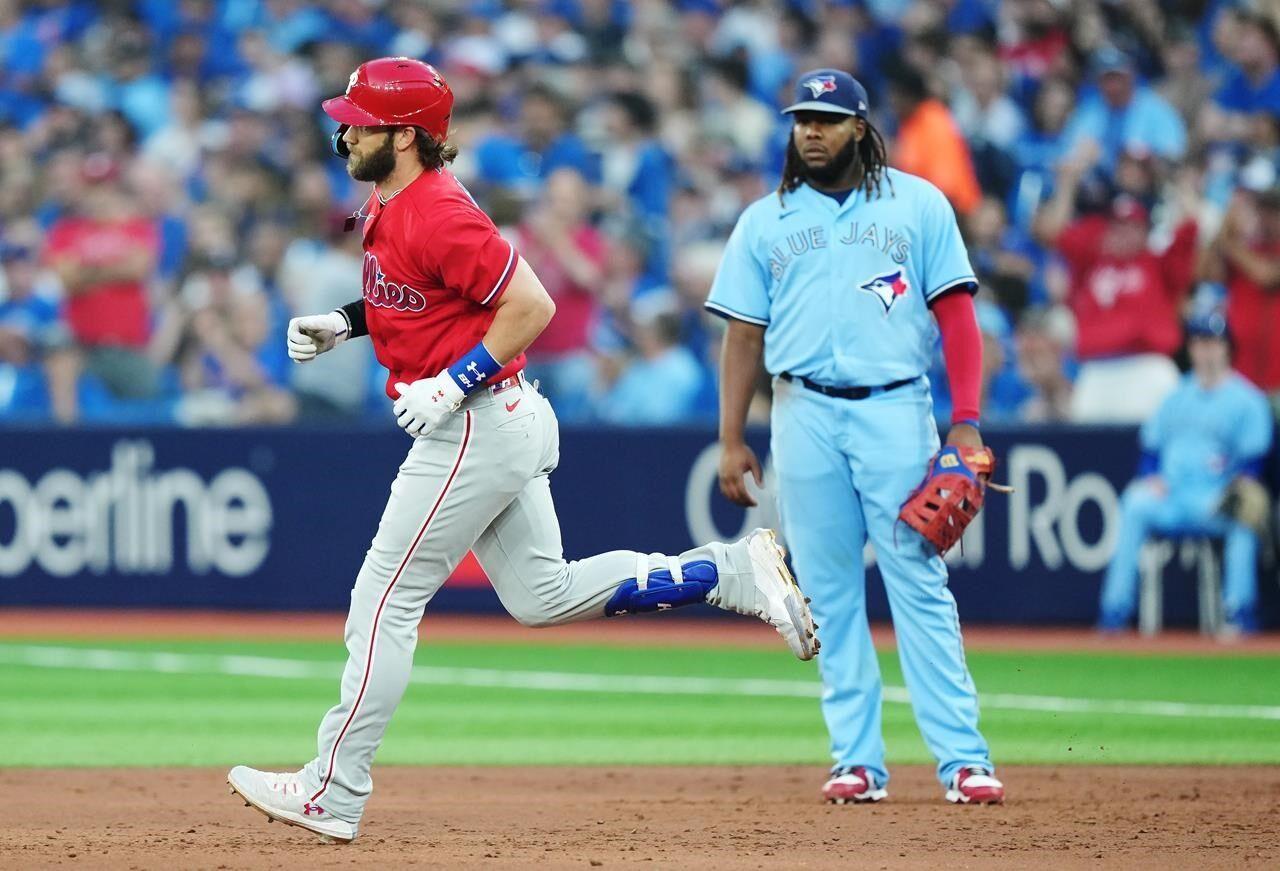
(533, 619)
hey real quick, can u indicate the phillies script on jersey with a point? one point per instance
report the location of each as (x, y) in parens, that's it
(434, 264)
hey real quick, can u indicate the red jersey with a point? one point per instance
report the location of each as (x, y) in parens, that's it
(1253, 311)
(576, 306)
(434, 264)
(109, 313)
(1125, 306)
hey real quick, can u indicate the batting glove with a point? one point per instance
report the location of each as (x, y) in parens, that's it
(315, 334)
(423, 405)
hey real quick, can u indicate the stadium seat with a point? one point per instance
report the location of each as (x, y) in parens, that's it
(1196, 550)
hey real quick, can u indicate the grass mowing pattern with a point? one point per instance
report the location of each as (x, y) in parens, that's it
(73, 717)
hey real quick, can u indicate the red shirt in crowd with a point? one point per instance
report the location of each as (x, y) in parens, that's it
(112, 313)
(1129, 305)
(576, 306)
(1253, 313)
(434, 264)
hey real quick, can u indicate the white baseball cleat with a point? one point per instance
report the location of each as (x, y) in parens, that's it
(852, 784)
(779, 601)
(973, 785)
(282, 796)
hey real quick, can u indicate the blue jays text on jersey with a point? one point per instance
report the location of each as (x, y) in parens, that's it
(843, 289)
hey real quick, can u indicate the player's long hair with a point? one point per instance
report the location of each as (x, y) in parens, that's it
(870, 155)
(434, 153)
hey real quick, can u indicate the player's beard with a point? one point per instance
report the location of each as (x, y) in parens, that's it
(831, 172)
(375, 166)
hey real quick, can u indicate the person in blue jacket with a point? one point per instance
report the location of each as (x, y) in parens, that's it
(1215, 428)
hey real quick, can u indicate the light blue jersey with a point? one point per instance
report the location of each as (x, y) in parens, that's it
(843, 293)
(1203, 437)
(843, 290)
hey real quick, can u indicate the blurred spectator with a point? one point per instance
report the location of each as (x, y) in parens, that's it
(1125, 299)
(637, 172)
(1041, 148)
(1252, 85)
(928, 143)
(1245, 256)
(662, 386)
(1043, 340)
(104, 256)
(542, 143)
(990, 120)
(225, 383)
(1004, 259)
(321, 273)
(1213, 430)
(569, 256)
(1123, 114)
(30, 332)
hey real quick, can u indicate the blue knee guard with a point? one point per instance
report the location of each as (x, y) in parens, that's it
(663, 589)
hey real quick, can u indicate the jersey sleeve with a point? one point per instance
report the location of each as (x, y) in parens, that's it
(1253, 430)
(741, 287)
(471, 257)
(945, 258)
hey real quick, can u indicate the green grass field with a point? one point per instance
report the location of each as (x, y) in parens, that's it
(78, 703)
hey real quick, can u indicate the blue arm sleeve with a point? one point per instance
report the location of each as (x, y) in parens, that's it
(741, 287)
(945, 258)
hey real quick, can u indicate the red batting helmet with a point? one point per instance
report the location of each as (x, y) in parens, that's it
(393, 91)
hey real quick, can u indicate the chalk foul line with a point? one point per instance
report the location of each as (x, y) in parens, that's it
(90, 659)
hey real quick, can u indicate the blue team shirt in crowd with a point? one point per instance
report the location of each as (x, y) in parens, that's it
(1204, 437)
(1238, 94)
(1149, 122)
(842, 290)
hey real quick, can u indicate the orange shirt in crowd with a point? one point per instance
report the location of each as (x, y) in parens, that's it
(929, 145)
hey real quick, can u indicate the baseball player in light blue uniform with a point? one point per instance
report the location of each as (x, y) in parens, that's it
(1214, 428)
(832, 279)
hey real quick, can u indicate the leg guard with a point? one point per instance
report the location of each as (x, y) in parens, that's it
(663, 589)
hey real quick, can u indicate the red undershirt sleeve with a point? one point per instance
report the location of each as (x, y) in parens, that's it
(962, 352)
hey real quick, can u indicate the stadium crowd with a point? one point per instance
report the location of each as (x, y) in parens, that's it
(168, 201)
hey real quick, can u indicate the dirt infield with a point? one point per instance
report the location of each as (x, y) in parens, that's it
(649, 629)
(685, 818)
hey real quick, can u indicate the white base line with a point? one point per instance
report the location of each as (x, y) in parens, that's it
(558, 681)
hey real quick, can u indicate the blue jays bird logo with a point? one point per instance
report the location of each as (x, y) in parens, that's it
(820, 85)
(888, 288)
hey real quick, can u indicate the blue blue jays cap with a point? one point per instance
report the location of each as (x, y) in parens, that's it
(829, 91)
(1208, 323)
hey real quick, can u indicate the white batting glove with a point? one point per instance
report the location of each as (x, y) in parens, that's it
(423, 405)
(315, 334)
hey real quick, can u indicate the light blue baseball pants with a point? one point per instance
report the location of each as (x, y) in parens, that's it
(844, 468)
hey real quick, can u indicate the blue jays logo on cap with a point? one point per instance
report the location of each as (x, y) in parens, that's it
(888, 288)
(820, 85)
(832, 91)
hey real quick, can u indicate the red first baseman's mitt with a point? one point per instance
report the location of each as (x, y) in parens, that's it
(951, 495)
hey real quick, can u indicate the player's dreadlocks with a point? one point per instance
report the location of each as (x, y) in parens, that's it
(870, 155)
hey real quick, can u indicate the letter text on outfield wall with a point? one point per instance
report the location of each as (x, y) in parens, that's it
(125, 519)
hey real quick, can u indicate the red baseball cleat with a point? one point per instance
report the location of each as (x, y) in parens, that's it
(975, 785)
(852, 784)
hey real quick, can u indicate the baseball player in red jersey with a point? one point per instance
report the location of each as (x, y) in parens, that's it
(450, 307)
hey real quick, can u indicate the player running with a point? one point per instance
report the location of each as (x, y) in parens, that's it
(837, 279)
(451, 307)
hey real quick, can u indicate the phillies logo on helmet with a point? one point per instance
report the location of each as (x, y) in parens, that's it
(819, 85)
(887, 288)
(389, 294)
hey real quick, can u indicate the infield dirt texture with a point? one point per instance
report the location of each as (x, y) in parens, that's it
(116, 732)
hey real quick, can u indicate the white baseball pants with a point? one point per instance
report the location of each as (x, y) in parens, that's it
(480, 482)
